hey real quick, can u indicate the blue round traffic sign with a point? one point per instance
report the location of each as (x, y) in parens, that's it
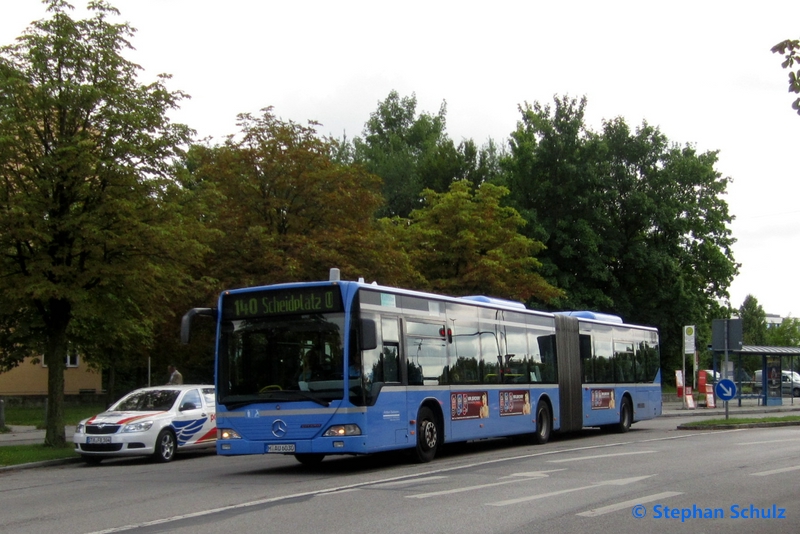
(725, 389)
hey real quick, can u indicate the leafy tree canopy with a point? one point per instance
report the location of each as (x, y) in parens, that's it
(86, 155)
(754, 322)
(632, 223)
(286, 211)
(412, 152)
(790, 50)
(465, 243)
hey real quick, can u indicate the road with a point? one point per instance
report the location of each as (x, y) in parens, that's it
(591, 482)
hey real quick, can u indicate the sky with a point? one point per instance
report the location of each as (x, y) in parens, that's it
(702, 71)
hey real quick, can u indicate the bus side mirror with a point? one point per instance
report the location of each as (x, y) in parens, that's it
(186, 321)
(369, 336)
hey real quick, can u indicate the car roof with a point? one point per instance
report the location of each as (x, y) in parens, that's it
(182, 387)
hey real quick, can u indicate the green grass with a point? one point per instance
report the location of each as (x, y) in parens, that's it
(743, 421)
(34, 415)
(23, 454)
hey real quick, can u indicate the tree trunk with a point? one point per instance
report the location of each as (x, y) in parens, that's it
(55, 357)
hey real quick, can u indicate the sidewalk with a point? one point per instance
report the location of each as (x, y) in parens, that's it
(675, 408)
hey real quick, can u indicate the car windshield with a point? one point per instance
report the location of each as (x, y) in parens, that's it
(147, 401)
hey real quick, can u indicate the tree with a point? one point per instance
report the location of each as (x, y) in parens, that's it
(785, 334)
(632, 224)
(412, 152)
(754, 322)
(790, 49)
(467, 243)
(86, 225)
(286, 210)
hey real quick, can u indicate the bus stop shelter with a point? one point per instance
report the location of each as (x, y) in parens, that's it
(774, 360)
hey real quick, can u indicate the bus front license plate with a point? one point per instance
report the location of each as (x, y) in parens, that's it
(288, 447)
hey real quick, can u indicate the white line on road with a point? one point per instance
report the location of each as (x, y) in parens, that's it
(629, 504)
(768, 441)
(581, 458)
(470, 488)
(618, 482)
(405, 482)
(776, 471)
(447, 469)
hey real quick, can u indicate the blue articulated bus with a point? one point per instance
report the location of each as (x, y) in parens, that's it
(343, 367)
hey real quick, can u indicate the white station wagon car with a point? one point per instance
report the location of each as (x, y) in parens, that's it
(155, 421)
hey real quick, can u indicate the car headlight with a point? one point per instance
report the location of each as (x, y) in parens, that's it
(139, 426)
(342, 430)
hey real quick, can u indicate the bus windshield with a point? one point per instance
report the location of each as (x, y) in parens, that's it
(281, 359)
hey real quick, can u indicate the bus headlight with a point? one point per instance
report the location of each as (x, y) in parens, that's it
(342, 430)
(227, 433)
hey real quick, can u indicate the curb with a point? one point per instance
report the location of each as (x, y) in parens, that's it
(735, 426)
(46, 463)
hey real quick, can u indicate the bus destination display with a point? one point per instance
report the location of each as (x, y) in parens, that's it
(323, 299)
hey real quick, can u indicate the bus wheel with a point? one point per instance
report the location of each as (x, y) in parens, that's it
(309, 458)
(544, 424)
(427, 436)
(625, 416)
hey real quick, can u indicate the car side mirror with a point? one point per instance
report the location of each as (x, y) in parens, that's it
(188, 406)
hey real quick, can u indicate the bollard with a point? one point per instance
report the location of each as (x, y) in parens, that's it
(2, 414)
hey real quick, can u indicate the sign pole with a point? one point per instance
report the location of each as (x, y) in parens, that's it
(726, 363)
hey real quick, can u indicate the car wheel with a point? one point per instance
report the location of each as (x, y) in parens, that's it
(165, 446)
(428, 436)
(796, 392)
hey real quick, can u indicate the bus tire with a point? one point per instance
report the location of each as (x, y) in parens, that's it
(544, 424)
(625, 416)
(428, 436)
(309, 459)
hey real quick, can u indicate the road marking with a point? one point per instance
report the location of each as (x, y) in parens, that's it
(534, 474)
(414, 476)
(617, 482)
(470, 488)
(581, 458)
(768, 441)
(776, 471)
(405, 482)
(629, 504)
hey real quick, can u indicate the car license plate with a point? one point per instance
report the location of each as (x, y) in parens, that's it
(98, 440)
(287, 447)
